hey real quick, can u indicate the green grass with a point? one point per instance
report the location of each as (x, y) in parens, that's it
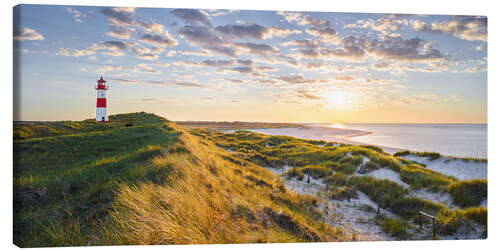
(431, 155)
(149, 182)
(469, 193)
(70, 175)
(336, 165)
(395, 227)
(419, 177)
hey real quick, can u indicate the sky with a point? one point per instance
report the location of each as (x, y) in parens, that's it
(230, 65)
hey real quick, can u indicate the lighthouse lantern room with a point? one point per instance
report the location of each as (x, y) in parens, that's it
(101, 114)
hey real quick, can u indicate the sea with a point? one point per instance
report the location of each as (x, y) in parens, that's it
(461, 140)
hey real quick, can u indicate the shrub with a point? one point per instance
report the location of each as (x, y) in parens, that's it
(448, 221)
(402, 153)
(395, 227)
(382, 192)
(374, 148)
(419, 177)
(337, 179)
(342, 193)
(431, 155)
(367, 167)
(316, 171)
(477, 214)
(386, 161)
(346, 167)
(468, 193)
(300, 176)
(354, 160)
(408, 207)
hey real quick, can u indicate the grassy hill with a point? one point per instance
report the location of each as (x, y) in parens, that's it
(142, 179)
(346, 170)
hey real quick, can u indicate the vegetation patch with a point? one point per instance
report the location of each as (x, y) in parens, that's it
(419, 177)
(469, 193)
(395, 227)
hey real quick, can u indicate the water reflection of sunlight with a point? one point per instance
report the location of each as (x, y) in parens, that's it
(336, 125)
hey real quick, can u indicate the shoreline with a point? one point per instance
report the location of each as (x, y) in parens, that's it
(349, 140)
(343, 135)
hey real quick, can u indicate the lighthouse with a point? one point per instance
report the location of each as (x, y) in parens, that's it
(101, 114)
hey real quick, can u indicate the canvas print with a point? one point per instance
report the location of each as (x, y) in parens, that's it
(191, 126)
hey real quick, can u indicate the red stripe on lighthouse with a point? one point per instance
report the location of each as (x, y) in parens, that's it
(101, 102)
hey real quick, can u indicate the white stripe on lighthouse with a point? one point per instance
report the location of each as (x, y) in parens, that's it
(101, 93)
(101, 115)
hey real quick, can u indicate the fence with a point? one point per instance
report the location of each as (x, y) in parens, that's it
(420, 214)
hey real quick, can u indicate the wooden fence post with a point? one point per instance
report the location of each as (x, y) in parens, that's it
(420, 220)
(433, 227)
(421, 213)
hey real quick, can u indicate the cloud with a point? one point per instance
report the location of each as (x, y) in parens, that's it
(158, 100)
(344, 78)
(27, 34)
(120, 32)
(252, 30)
(148, 56)
(162, 64)
(167, 82)
(193, 16)
(289, 16)
(208, 63)
(123, 23)
(381, 66)
(258, 49)
(107, 68)
(267, 81)
(119, 16)
(234, 80)
(74, 52)
(147, 53)
(308, 20)
(143, 68)
(295, 79)
(303, 20)
(152, 27)
(207, 40)
(116, 45)
(464, 27)
(328, 34)
(256, 71)
(157, 40)
(424, 99)
(241, 69)
(143, 50)
(307, 43)
(380, 25)
(399, 49)
(78, 15)
(306, 94)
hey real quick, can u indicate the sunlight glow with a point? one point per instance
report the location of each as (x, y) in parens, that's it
(340, 99)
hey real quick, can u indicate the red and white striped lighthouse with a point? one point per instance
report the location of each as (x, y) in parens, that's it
(101, 114)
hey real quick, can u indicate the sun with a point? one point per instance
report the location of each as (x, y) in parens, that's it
(338, 99)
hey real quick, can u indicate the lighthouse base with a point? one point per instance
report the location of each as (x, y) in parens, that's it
(101, 115)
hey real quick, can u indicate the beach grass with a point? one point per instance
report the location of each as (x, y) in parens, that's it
(146, 180)
(347, 168)
(468, 193)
